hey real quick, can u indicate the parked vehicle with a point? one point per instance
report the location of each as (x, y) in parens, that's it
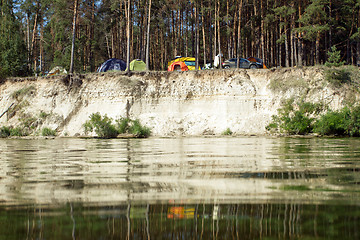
(244, 63)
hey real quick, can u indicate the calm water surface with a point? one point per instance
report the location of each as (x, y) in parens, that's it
(182, 188)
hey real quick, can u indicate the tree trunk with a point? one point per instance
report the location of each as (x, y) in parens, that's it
(148, 38)
(218, 29)
(196, 36)
(215, 29)
(73, 37)
(203, 30)
(300, 42)
(128, 36)
(91, 59)
(317, 48)
(287, 64)
(239, 35)
(262, 31)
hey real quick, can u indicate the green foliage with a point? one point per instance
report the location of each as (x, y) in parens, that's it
(19, 94)
(101, 125)
(43, 115)
(334, 58)
(104, 128)
(294, 118)
(227, 132)
(337, 76)
(12, 132)
(123, 125)
(126, 125)
(28, 122)
(345, 122)
(18, 131)
(5, 132)
(48, 132)
(313, 20)
(332, 123)
(138, 130)
(299, 119)
(13, 54)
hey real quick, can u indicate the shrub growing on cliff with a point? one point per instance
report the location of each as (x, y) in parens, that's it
(227, 132)
(18, 132)
(334, 58)
(344, 122)
(48, 132)
(5, 132)
(104, 128)
(126, 125)
(338, 76)
(294, 118)
(138, 130)
(101, 125)
(19, 94)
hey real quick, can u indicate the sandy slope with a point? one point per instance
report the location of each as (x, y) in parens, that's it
(171, 104)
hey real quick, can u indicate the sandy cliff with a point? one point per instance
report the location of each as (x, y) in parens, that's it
(170, 103)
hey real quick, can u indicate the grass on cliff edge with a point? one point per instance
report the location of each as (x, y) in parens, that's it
(104, 128)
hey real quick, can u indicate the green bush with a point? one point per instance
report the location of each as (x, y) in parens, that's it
(123, 125)
(338, 76)
(345, 122)
(332, 123)
(5, 132)
(19, 94)
(227, 132)
(18, 131)
(138, 130)
(334, 58)
(48, 132)
(294, 118)
(298, 119)
(101, 125)
(353, 126)
(104, 128)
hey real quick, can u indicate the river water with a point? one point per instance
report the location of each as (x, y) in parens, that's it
(180, 188)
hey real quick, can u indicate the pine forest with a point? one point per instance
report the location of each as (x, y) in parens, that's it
(79, 35)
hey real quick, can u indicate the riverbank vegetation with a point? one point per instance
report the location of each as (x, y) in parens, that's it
(21, 131)
(103, 127)
(36, 35)
(301, 118)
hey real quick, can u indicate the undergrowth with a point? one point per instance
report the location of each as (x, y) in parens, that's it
(227, 132)
(104, 128)
(301, 118)
(48, 132)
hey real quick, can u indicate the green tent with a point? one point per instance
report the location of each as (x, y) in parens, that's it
(137, 65)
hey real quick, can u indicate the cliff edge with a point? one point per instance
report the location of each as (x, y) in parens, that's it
(170, 103)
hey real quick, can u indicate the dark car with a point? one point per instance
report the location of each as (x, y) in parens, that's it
(244, 63)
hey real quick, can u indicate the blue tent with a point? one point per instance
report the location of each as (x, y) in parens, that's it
(112, 64)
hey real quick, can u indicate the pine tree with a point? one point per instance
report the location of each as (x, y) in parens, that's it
(13, 53)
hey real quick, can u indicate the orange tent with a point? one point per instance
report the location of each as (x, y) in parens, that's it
(178, 66)
(252, 59)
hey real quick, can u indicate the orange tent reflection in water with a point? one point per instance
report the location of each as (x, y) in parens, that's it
(180, 212)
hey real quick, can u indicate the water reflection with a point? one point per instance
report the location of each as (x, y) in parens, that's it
(183, 221)
(191, 169)
(184, 188)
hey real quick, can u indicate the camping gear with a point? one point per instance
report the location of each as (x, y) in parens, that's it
(113, 64)
(57, 70)
(178, 66)
(137, 65)
(189, 62)
(256, 60)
